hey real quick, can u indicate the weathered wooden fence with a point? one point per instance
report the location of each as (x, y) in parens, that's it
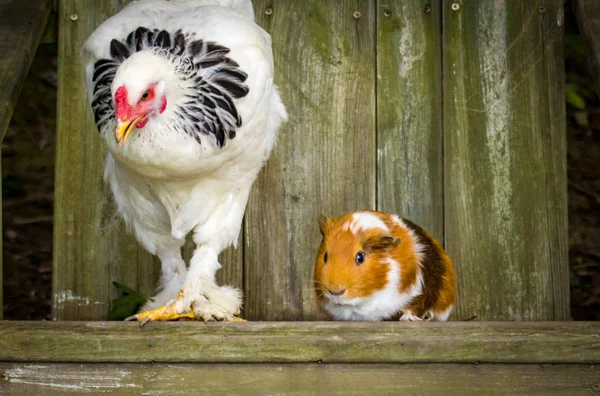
(463, 132)
(449, 113)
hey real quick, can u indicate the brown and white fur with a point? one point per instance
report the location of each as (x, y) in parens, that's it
(373, 266)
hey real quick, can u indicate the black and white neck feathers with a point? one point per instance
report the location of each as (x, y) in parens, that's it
(209, 80)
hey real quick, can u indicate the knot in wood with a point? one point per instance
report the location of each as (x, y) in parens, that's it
(542, 9)
(268, 11)
(455, 6)
(427, 9)
(74, 17)
(357, 14)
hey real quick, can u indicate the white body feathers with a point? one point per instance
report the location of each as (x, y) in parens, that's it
(167, 183)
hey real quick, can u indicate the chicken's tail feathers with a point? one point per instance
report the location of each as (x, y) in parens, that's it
(241, 6)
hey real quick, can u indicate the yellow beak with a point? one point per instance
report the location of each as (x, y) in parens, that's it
(124, 128)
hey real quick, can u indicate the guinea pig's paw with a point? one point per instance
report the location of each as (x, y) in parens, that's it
(428, 317)
(409, 317)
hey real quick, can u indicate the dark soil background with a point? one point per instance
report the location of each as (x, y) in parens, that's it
(583, 172)
(28, 185)
(28, 192)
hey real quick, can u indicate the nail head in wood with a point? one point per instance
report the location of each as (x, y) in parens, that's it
(357, 14)
(455, 6)
(269, 11)
(74, 17)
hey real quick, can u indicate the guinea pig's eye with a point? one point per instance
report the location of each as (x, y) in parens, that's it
(360, 258)
(325, 258)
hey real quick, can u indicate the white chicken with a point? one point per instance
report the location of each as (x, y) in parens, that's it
(182, 93)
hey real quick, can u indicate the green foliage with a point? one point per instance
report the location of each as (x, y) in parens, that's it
(127, 304)
(580, 91)
(574, 98)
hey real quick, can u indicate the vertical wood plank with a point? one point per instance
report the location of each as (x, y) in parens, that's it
(148, 272)
(91, 246)
(232, 266)
(409, 112)
(505, 159)
(324, 162)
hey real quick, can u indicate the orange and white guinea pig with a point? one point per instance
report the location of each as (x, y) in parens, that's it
(373, 266)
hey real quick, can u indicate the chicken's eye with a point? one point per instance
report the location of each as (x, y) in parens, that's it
(360, 258)
(325, 258)
(146, 95)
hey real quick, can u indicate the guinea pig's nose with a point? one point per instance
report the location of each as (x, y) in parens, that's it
(337, 292)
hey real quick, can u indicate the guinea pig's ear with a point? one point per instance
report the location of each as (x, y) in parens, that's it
(323, 224)
(381, 242)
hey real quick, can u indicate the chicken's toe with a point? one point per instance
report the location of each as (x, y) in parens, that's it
(164, 313)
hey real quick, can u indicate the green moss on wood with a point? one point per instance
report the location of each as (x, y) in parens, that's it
(505, 159)
(329, 342)
(324, 162)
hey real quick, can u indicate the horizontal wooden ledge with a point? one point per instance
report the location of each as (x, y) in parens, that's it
(298, 379)
(301, 342)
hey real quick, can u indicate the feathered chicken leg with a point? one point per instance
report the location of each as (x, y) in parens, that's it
(200, 298)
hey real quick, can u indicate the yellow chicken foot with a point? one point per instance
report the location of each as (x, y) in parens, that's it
(168, 312)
